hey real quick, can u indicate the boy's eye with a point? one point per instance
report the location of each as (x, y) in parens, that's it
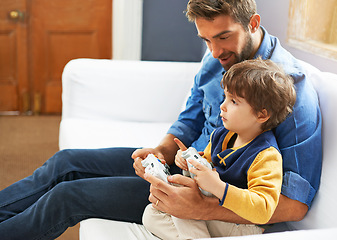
(233, 101)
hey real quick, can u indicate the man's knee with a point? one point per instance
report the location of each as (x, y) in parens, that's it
(64, 194)
(66, 159)
(60, 156)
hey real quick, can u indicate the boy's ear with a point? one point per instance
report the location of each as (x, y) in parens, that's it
(263, 116)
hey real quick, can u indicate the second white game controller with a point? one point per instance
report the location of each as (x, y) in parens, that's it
(192, 153)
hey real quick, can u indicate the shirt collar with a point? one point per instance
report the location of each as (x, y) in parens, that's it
(264, 50)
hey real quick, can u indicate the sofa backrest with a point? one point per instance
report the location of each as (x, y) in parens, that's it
(142, 91)
(324, 210)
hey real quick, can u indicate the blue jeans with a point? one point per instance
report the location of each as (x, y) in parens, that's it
(71, 186)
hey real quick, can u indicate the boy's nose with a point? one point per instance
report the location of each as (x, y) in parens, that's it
(223, 107)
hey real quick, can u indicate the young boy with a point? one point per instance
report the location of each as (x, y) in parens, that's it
(248, 163)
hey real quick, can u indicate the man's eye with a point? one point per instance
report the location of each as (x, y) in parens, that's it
(223, 38)
(204, 39)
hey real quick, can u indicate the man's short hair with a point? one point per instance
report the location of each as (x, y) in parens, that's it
(240, 10)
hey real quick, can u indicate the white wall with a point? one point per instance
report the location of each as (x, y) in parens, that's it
(274, 17)
(127, 29)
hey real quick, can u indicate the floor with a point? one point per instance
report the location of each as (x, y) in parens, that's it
(26, 142)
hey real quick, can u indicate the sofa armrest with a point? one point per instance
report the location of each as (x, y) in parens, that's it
(120, 90)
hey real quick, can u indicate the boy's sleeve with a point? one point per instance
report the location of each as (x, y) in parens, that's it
(257, 203)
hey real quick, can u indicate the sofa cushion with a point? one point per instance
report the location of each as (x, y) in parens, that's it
(87, 133)
(100, 229)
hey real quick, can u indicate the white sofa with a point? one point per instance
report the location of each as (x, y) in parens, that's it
(110, 103)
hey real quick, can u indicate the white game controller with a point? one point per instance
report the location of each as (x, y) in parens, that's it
(192, 153)
(156, 168)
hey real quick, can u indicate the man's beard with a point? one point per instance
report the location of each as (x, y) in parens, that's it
(245, 53)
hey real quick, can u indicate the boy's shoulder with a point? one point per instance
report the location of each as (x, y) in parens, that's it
(266, 139)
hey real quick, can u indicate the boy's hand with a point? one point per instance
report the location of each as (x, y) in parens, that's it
(179, 161)
(208, 179)
(180, 144)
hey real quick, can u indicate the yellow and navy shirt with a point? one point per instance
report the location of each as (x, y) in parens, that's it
(253, 173)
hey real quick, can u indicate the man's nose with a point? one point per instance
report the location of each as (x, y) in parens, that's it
(216, 51)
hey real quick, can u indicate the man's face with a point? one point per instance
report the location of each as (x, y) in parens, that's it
(226, 39)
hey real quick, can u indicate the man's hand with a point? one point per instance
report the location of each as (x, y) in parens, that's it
(165, 151)
(139, 155)
(183, 201)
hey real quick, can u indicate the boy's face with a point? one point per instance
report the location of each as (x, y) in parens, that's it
(237, 115)
(227, 40)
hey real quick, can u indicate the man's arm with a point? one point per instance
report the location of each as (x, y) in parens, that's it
(289, 210)
(187, 202)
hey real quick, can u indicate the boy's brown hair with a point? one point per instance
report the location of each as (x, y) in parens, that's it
(240, 10)
(264, 85)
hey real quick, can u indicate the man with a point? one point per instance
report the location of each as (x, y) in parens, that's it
(75, 185)
(232, 32)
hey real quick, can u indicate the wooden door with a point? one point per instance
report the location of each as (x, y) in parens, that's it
(60, 31)
(13, 56)
(36, 45)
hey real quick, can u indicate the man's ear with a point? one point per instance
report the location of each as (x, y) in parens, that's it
(254, 23)
(263, 116)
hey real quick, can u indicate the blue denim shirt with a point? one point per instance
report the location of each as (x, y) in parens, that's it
(298, 137)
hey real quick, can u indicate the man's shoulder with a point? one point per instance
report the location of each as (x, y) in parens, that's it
(272, 49)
